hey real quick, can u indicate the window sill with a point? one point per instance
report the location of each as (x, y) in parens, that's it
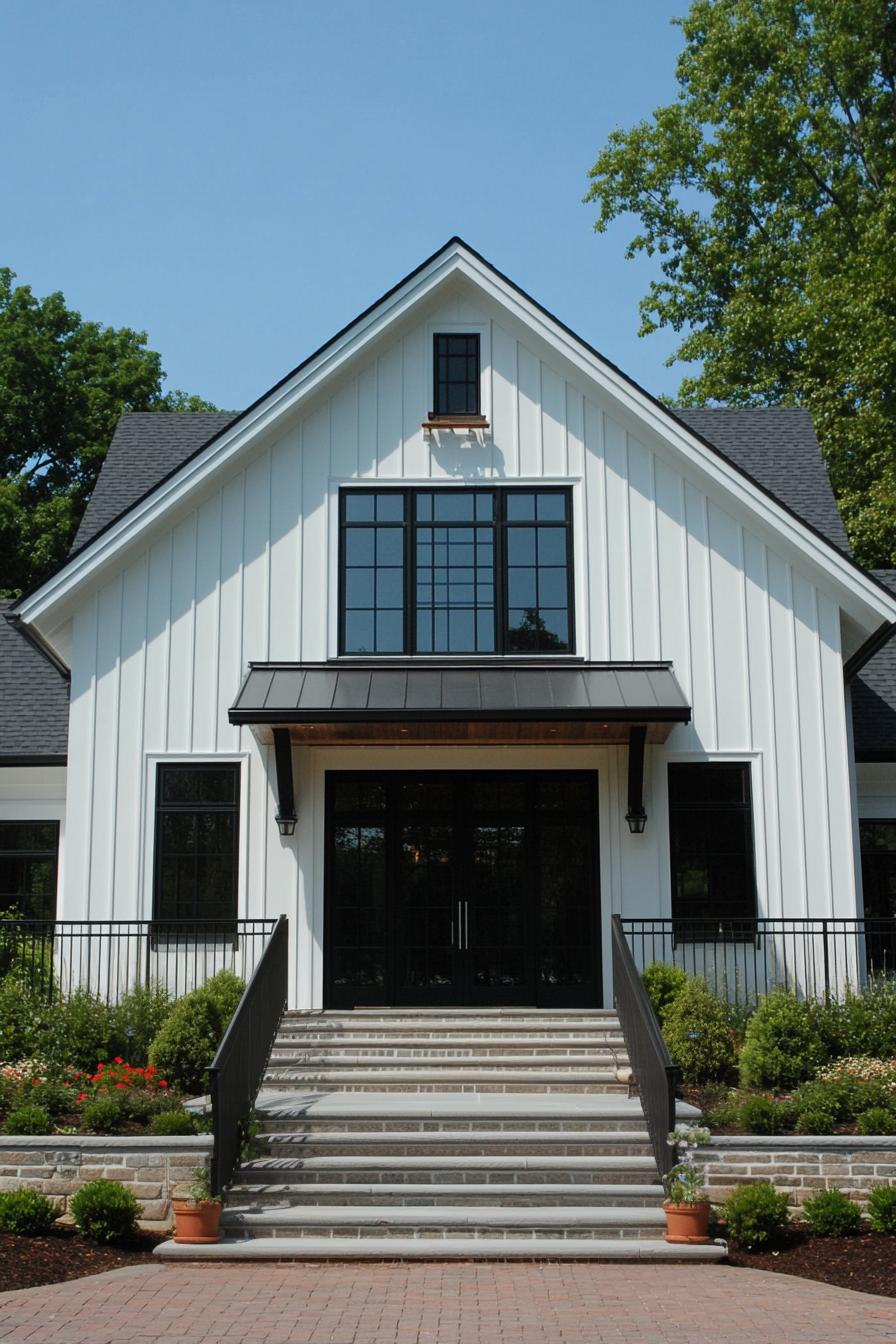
(455, 422)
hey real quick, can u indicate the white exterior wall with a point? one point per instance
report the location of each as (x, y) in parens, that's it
(664, 569)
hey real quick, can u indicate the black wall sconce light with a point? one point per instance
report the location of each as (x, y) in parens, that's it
(636, 816)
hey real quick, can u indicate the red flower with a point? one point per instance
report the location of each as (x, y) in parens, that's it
(162, 1083)
(81, 1096)
(118, 1059)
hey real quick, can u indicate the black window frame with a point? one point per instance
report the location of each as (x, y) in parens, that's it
(501, 525)
(717, 925)
(474, 384)
(30, 853)
(170, 928)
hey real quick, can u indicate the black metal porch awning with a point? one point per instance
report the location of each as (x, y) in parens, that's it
(595, 701)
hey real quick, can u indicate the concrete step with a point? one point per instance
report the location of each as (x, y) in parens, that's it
(445, 1079)
(451, 1143)
(260, 1197)
(458, 1047)
(446, 1169)
(601, 1063)
(450, 1014)
(455, 1247)
(439, 1221)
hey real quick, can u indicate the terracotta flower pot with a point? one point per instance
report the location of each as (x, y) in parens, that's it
(196, 1224)
(687, 1224)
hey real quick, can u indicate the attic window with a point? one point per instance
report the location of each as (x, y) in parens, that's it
(456, 376)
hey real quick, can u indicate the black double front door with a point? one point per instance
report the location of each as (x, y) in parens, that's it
(472, 888)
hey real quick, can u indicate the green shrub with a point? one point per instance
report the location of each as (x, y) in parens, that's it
(762, 1115)
(21, 1014)
(105, 1211)
(882, 1209)
(103, 1115)
(27, 1213)
(174, 1122)
(28, 1120)
(696, 1030)
(186, 1044)
(77, 1032)
(136, 1020)
(815, 1121)
(662, 983)
(846, 1098)
(877, 1120)
(783, 1043)
(868, 1020)
(830, 1213)
(756, 1215)
(139, 1105)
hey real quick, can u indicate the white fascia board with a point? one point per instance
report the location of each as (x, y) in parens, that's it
(869, 604)
(859, 595)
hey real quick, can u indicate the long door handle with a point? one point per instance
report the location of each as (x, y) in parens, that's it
(460, 927)
(466, 926)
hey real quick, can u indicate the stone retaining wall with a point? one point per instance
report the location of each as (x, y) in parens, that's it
(60, 1163)
(799, 1165)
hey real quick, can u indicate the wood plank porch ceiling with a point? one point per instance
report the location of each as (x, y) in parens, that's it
(475, 702)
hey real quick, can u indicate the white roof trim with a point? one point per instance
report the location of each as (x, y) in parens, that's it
(867, 603)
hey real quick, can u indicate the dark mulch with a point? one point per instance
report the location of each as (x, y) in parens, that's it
(866, 1262)
(29, 1262)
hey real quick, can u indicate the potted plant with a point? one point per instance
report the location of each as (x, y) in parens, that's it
(686, 1205)
(196, 1218)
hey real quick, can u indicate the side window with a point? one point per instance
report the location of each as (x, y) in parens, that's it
(711, 844)
(28, 866)
(877, 843)
(196, 842)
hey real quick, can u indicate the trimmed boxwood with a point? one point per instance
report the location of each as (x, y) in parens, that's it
(784, 1043)
(830, 1213)
(698, 1033)
(105, 1211)
(27, 1213)
(186, 1044)
(756, 1215)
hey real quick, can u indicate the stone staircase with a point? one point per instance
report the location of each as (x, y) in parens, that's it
(481, 1133)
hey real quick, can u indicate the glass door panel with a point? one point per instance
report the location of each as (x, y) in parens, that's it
(496, 921)
(425, 912)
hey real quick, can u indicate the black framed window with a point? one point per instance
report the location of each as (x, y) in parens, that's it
(711, 842)
(29, 860)
(456, 571)
(455, 374)
(877, 846)
(197, 841)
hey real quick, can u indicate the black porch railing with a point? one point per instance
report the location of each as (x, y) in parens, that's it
(110, 957)
(742, 959)
(237, 1070)
(654, 1072)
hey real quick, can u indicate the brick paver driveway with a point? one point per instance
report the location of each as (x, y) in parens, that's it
(444, 1304)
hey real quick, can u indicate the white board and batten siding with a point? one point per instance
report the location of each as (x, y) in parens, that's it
(664, 569)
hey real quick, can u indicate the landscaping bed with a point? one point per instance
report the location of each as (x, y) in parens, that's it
(865, 1262)
(62, 1254)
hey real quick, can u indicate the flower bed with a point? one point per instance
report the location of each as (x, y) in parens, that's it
(116, 1098)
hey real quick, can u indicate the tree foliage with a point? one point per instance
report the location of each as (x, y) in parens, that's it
(767, 190)
(63, 384)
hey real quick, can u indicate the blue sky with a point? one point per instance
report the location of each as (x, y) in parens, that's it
(241, 179)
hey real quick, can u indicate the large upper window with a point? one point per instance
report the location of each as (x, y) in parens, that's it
(456, 571)
(28, 863)
(455, 374)
(197, 841)
(711, 838)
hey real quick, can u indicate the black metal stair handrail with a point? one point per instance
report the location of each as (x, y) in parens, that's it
(655, 1074)
(238, 1067)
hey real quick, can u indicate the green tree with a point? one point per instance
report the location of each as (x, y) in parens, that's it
(63, 384)
(767, 191)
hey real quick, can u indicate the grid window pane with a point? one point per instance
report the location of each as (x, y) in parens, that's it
(456, 374)
(197, 826)
(374, 571)
(469, 551)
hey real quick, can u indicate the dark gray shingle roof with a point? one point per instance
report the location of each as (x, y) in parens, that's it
(146, 446)
(776, 445)
(874, 698)
(33, 699)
